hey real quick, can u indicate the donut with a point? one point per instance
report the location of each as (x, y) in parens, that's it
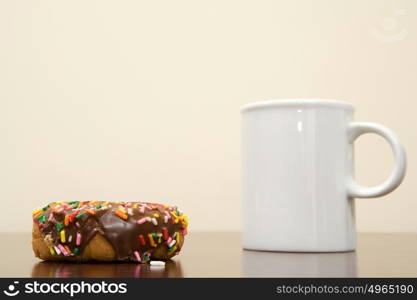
(107, 231)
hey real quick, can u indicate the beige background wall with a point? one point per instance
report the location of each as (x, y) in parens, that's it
(139, 100)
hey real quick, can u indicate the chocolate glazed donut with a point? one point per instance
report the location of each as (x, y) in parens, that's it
(108, 231)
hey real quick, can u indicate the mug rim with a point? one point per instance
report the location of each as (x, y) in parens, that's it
(294, 102)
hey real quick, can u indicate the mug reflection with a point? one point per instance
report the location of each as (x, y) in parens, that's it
(67, 269)
(282, 264)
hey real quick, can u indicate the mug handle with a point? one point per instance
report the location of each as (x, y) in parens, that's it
(355, 130)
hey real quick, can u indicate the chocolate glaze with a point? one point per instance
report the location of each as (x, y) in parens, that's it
(117, 222)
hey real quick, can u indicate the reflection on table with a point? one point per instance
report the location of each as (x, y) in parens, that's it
(282, 264)
(104, 270)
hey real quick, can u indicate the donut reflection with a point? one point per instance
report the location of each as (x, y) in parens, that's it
(100, 270)
(282, 264)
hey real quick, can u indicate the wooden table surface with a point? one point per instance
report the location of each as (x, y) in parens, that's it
(215, 254)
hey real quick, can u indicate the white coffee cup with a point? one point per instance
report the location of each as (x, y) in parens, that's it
(298, 185)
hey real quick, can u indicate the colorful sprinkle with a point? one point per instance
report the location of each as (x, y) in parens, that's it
(51, 217)
(120, 214)
(42, 218)
(57, 251)
(37, 215)
(63, 250)
(78, 240)
(59, 210)
(146, 256)
(63, 236)
(90, 211)
(73, 216)
(167, 215)
(66, 220)
(36, 211)
(170, 250)
(173, 242)
(137, 256)
(59, 226)
(76, 251)
(79, 216)
(151, 241)
(143, 220)
(68, 249)
(142, 240)
(184, 221)
(165, 233)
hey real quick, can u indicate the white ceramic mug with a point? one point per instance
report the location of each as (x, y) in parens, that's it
(298, 185)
